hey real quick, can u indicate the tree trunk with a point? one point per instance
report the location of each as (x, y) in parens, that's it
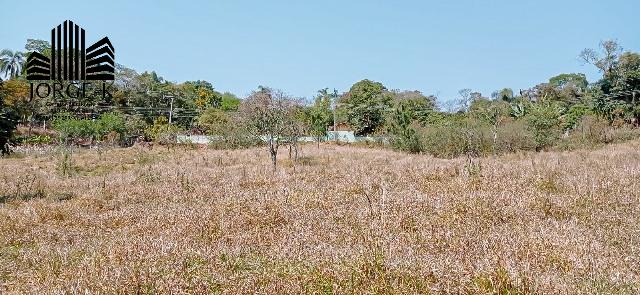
(273, 149)
(274, 156)
(495, 137)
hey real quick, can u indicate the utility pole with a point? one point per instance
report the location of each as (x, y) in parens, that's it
(171, 107)
(335, 106)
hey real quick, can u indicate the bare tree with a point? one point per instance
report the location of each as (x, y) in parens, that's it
(270, 117)
(610, 52)
(464, 100)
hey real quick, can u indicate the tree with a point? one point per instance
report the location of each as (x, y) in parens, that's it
(40, 46)
(491, 112)
(11, 63)
(202, 93)
(269, 116)
(16, 96)
(229, 102)
(544, 121)
(464, 99)
(610, 51)
(506, 94)
(319, 115)
(415, 102)
(627, 73)
(618, 88)
(404, 136)
(366, 102)
(8, 123)
(572, 80)
(213, 121)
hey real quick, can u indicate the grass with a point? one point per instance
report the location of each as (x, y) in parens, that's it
(340, 220)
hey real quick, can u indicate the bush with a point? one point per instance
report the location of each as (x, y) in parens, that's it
(593, 131)
(514, 136)
(162, 132)
(35, 140)
(544, 122)
(110, 126)
(456, 139)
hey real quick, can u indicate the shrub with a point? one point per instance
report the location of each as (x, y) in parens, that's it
(593, 131)
(111, 125)
(544, 122)
(456, 139)
(35, 140)
(404, 136)
(514, 136)
(162, 132)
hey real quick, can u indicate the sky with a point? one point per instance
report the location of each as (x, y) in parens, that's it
(436, 47)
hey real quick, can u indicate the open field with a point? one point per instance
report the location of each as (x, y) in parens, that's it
(342, 219)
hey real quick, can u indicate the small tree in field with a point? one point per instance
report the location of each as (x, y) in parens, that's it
(269, 115)
(319, 116)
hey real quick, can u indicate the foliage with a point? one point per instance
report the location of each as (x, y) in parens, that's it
(319, 116)
(366, 104)
(11, 63)
(404, 135)
(8, 122)
(270, 116)
(161, 131)
(229, 102)
(70, 128)
(213, 120)
(544, 122)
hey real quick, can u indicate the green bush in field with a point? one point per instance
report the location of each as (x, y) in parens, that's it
(35, 140)
(514, 136)
(70, 128)
(225, 129)
(161, 131)
(543, 120)
(455, 137)
(404, 135)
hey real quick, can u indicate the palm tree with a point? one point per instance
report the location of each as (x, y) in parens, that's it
(11, 63)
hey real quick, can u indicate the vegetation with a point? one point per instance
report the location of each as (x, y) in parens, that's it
(480, 198)
(342, 219)
(545, 117)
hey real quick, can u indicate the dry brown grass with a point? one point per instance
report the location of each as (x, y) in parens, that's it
(342, 220)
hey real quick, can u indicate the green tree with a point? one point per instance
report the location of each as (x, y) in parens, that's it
(213, 121)
(229, 102)
(40, 46)
(578, 81)
(491, 112)
(404, 136)
(544, 122)
(319, 115)
(11, 63)
(416, 103)
(506, 94)
(366, 104)
(8, 123)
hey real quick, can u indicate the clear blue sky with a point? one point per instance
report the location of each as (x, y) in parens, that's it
(437, 47)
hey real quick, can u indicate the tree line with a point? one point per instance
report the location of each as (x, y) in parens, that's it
(565, 112)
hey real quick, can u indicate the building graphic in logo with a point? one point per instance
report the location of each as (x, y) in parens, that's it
(70, 60)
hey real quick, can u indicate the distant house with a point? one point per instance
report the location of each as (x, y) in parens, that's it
(343, 132)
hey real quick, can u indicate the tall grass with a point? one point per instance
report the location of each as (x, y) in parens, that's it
(343, 220)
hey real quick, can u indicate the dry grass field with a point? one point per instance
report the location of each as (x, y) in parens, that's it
(340, 220)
